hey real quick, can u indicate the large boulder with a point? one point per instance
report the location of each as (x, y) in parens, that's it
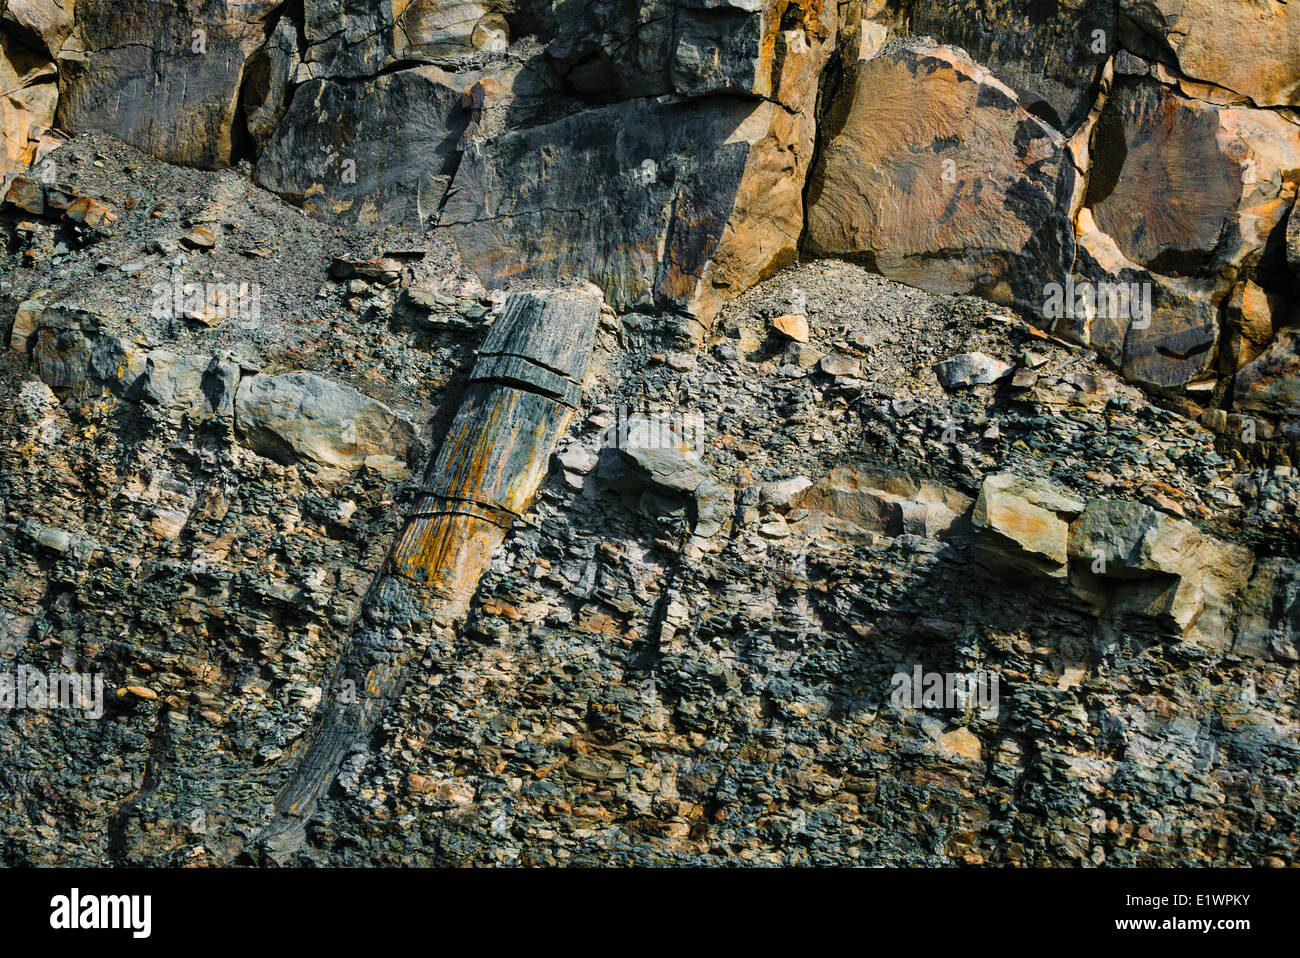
(300, 416)
(1248, 46)
(1182, 197)
(1184, 186)
(933, 172)
(652, 452)
(163, 77)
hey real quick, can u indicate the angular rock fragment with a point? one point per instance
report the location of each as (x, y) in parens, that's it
(72, 352)
(26, 320)
(1181, 574)
(890, 503)
(1023, 525)
(656, 455)
(777, 495)
(197, 387)
(970, 369)
(386, 272)
(792, 326)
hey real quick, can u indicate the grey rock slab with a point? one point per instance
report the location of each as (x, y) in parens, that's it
(295, 416)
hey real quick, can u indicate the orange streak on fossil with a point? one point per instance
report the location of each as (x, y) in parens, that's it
(521, 396)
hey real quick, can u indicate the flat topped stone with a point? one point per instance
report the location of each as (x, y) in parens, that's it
(542, 341)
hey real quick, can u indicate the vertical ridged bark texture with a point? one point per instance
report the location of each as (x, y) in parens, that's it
(522, 394)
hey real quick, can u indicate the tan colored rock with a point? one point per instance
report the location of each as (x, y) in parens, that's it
(885, 502)
(1023, 525)
(1181, 199)
(933, 173)
(1253, 313)
(1049, 53)
(1166, 348)
(961, 744)
(1270, 383)
(26, 321)
(27, 106)
(42, 23)
(88, 211)
(1249, 46)
(1184, 186)
(793, 326)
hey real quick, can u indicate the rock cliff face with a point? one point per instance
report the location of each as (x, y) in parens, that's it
(684, 431)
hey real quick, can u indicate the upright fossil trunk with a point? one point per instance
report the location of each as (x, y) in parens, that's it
(522, 393)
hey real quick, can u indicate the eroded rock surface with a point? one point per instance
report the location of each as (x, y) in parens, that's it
(933, 172)
(395, 545)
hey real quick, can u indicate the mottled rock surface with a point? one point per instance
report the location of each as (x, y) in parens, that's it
(932, 172)
(397, 541)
